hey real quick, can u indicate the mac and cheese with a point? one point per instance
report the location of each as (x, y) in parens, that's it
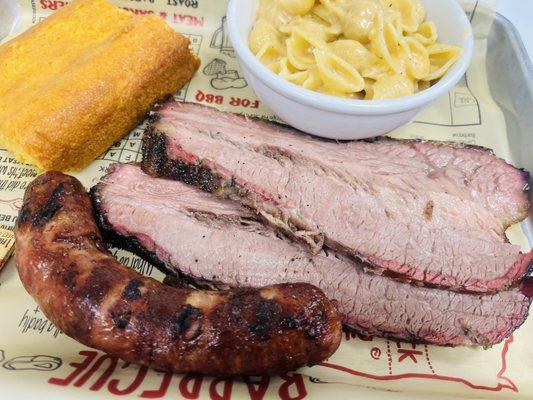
(363, 49)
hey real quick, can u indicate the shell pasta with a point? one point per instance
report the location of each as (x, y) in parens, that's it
(361, 49)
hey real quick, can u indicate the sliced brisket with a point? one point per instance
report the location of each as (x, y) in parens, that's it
(212, 239)
(422, 211)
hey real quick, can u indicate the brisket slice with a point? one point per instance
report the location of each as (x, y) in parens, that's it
(215, 240)
(420, 211)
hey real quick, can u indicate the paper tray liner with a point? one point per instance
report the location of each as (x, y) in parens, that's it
(38, 361)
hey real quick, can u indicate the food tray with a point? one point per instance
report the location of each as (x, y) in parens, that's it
(439, 373)
(510, 76)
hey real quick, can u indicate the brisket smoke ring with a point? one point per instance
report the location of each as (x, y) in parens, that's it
(419, 211)
(215, 240)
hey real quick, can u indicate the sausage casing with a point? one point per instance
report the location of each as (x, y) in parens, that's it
(64, 264)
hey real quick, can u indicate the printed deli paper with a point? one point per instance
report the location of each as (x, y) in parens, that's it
(38, 361)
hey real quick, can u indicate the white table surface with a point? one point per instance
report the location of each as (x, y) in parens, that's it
(520, 13)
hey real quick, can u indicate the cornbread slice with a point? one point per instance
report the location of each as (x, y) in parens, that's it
(77, 82)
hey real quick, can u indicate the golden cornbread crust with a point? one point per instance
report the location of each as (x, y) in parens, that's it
(77, 82)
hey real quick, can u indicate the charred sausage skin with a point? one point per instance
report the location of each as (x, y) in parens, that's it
(64, 264)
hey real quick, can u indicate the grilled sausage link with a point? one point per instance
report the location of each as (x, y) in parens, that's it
(64, 264)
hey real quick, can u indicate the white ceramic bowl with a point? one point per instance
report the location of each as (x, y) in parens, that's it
(338, 118)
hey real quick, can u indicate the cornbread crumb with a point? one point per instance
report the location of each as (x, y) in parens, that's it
(77, 82)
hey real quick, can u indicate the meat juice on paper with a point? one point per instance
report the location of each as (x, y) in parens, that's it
(46, 361)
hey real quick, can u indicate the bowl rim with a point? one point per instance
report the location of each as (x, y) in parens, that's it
(341, 105)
